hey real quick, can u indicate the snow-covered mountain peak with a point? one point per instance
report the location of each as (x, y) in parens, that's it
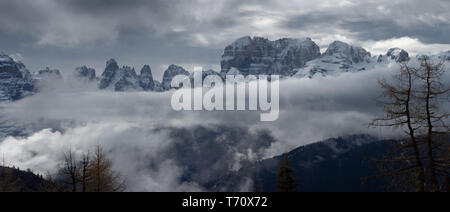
(339, 57)
(444, 56)
(86, 73)
(146, 70)
(242, 42)
(49, 73)
(398, 54)
(108, 74)
(175, 68)
(128, 71)
(255, 56)
(204, 75)
(234, 72)
(15, 80)
(7, 61)
(146, 78)
(118, 79)
(112, 64)
(286, 57)
(170, 73)
(4, 58)
(345, 51)
(337, 47)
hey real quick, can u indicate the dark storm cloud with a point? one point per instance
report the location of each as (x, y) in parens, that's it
(381, 20)
(109, 5)
(20, 14)
(369, 20)
(310, 20)
(385, 29)
(65, 34)
(69, 33)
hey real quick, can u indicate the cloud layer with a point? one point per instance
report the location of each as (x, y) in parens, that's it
(159, 149)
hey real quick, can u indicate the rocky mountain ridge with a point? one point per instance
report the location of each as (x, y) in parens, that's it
(16, 81)
(246, 56)
(340, 164)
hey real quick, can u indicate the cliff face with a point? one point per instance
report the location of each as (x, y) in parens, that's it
(146, 79)
(85, 73)
(256, 56)
(15, 80)
(170, 73)
(119, 79)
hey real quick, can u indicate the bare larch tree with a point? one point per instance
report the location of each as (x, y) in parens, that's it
(412, 102)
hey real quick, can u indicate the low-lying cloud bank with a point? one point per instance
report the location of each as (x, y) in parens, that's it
(158, 149)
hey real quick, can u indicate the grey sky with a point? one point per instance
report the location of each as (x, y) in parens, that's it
(68, 33)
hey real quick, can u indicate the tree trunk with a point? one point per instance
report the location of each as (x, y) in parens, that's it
(432, 169)
(421, 177)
